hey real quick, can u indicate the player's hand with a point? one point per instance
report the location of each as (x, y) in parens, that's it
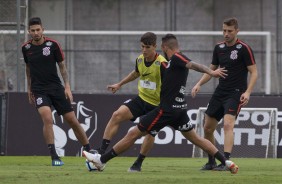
(220, 72)
(31, 98)
(245, 97)
(113, 88)
(195, 90)
(68, 94)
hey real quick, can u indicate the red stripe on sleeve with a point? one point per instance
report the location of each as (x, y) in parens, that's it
(182, 58)
(249, 51)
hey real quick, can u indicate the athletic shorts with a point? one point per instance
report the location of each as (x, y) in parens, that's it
(55, 98)
(157, 119)
(224, 102)
(138, 107)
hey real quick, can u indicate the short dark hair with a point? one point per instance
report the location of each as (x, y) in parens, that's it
(170, 40)
(34, 21)
(231, 22)
(149, 38)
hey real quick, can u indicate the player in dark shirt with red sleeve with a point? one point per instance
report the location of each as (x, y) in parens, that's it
(42, 55)
(232, 92)
(172, 110)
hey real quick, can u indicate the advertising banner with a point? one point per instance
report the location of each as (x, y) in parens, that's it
(25, 137)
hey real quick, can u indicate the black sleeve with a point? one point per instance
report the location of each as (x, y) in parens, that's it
(163, 68)
(58, 53)
(181, 60)
(24, 54)
(248, 56)
(214, 57)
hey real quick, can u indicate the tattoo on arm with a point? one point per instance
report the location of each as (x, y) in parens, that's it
(63, 71)
(200, 68)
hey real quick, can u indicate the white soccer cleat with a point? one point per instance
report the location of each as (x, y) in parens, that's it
(95, 159)
(233, 168)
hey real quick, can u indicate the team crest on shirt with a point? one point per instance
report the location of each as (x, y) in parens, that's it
(46, 51)
(222, 45)
(27, 46)
(39, 101)
(49, 43)
(234, 54)
(157, 63)
(139, 60)
(239, 46)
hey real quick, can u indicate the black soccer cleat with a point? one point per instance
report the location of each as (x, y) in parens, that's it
(135, 168)
(208, 166)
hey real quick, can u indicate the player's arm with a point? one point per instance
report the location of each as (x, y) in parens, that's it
(64, 74)
(204, 79)
(28, 78)
(29, 93)
(252, 81)
(130, 77)
(219, 72)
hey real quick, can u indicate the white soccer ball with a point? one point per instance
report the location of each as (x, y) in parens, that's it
(90, 166)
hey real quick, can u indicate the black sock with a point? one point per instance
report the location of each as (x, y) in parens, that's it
(211, 159)
(220, 157)
(227, 155)
(53, 152)
(105, 144)
(140, 159)
(108, 156)
(86, 147)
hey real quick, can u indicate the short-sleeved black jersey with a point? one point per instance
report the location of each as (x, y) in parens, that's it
(235, 59)
(42, 60)
(174, 83)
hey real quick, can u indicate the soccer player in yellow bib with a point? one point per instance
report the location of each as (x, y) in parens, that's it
(149, 70)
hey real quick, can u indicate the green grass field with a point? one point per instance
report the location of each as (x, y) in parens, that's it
(37, 169)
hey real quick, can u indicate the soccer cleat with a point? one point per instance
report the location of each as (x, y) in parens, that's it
(135, 168)
(233, 168)
(220, 167)
(57, 162)
(208, 166)
(95, 159)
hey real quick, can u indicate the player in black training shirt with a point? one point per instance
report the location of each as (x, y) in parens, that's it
(42, 55)
(172, 110)
(232, 91)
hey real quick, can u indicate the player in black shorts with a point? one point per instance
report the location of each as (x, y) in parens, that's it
(42, 55)
(172, 110)
(149, 71)
(232, 92)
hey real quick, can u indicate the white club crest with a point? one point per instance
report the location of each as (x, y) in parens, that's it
(239, 46)
(27, 46)
(46, 51)
(49, 43)
(234, 54)
(39, 101)
(222, 45)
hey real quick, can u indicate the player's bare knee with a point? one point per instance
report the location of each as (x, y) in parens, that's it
(117, 116)
(150, 138)
(208, 130)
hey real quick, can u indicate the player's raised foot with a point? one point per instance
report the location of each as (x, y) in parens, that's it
(135, 168)
(57, 162)
(233, 168)
(95, 159)
(208, 166)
